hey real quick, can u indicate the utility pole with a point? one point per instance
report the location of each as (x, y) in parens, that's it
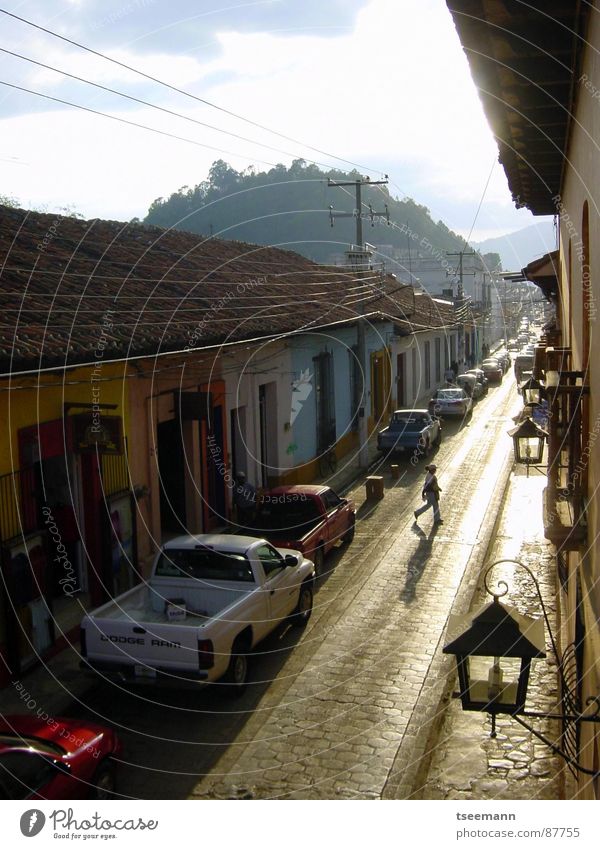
(363, 454)
(460, 301)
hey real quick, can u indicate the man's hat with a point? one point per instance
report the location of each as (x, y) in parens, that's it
(431, 468)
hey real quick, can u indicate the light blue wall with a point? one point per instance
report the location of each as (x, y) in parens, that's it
(303, 433)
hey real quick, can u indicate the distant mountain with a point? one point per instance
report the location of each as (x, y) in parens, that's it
(520, 248)
(289, 207)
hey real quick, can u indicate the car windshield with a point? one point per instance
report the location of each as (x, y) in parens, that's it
(287, 515)
(204, 564)
(449, 394)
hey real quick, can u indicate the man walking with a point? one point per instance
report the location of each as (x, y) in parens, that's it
(431, 494)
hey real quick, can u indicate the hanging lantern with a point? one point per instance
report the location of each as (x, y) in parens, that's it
(494, 648)
(528, 441)
(532, 391)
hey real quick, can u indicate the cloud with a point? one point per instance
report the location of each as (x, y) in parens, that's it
(389, 90)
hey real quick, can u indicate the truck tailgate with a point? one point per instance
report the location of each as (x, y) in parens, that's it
(149, 644)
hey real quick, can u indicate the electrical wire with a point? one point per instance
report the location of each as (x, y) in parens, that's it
(130, 123)
(160, 108)
(186, 93)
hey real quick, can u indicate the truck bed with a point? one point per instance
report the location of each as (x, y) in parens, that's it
(147, 603)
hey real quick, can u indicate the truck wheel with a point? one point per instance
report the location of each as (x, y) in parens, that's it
(105, 781)
(319, 561)
(304, 607)
(236, 676)
(349, 535)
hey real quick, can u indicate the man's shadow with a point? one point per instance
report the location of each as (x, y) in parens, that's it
(417, 562)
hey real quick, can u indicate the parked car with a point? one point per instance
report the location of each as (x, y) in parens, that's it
(451, 402)
(503, 358)
(410, 431)
(56, 758)
(492, 370)
(208, 602)
(481, 379)
(310, 519)
(470, 384)
(525, 375)
(523, 363)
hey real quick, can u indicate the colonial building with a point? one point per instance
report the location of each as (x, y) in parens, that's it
(537, 70)
(142, 369)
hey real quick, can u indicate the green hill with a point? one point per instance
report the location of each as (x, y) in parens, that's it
(289, 207)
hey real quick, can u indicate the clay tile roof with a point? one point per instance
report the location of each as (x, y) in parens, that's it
(68, 286)
(524, 59)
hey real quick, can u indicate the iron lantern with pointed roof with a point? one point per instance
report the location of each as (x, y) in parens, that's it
(488, 645)
(528, 440)
(532, 391)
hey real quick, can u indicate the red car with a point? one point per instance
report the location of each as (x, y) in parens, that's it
(310, 519)
(56, 759)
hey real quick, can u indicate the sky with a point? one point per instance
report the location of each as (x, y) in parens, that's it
(382, 84)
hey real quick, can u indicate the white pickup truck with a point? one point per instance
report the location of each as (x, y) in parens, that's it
(209, 601)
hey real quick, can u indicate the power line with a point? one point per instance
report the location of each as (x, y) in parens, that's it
(186, 93)
(131, 123)
(158, 108)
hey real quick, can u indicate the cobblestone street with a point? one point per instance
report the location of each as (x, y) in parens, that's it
(351, 709)
(466, 763)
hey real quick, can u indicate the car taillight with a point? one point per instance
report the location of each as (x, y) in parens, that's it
(206, 654)
(83, 641)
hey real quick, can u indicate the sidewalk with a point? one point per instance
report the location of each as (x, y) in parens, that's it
(465, 763)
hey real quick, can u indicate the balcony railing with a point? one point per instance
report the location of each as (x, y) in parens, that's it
(564, 498)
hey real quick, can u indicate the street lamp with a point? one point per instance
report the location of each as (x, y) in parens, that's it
(494, 647)
(532, 391)
(528, 442)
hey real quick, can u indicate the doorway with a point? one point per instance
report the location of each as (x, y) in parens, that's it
(400, 381)
(171, 474)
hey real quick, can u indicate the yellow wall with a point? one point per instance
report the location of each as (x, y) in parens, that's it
(28, 401)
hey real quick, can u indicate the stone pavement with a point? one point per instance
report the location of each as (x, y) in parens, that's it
(465, 762)
(352, 708)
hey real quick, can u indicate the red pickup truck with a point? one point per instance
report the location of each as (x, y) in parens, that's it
(310, 519)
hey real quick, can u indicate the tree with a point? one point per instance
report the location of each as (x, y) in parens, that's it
(289, 206)
(9, 200)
